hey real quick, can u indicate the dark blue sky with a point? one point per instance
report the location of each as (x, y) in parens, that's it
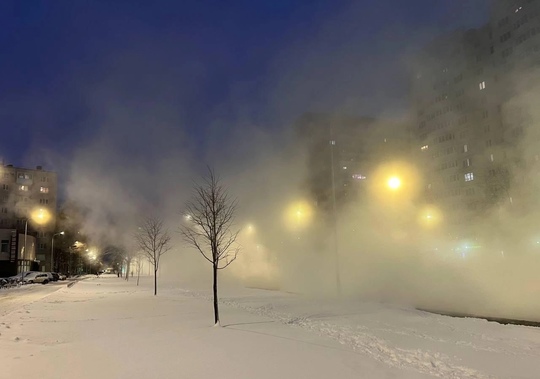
(202, 66)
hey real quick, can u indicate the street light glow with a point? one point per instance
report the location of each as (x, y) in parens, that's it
(430, 217)
(298, 215)
(40, 216)
(250, 229)
(394, 183)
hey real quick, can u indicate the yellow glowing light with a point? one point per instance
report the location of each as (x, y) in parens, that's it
(430, 217)
(41, 216)
(250, 229)
(394, 183)
(298, 215)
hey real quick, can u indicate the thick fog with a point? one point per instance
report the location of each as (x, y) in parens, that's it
(144, 154)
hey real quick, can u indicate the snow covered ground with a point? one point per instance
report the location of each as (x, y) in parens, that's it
(106, 327)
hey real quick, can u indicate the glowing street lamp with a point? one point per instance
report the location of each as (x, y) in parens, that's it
(250, 229)
(430, 217)
(298, 215)
(39, 216)
(394, 183)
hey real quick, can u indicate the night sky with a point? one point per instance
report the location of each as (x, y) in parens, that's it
(201, 66)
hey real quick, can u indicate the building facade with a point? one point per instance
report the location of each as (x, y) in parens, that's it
(474, 95)
(28, 203)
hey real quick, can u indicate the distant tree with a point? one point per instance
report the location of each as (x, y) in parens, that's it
(70, 220)
(130, 255)
(154, 241)
(208, 227)
(114, 256)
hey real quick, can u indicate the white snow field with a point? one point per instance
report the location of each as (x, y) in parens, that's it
(107, 327)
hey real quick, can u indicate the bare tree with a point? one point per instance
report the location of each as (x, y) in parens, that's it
(154, 241)
(139, 263)
(130, 255)
(208, 227)
(115, 255)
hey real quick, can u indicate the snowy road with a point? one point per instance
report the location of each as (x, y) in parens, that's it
(108, 325)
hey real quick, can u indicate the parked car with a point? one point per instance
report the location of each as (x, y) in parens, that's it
(31, 276)
(42, 278)
(55, 276)
(18, 276)
(62, 276)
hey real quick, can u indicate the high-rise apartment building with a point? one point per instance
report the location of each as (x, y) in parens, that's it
(27, 212)
(474, 104)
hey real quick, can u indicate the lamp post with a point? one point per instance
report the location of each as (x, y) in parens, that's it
(24, 249)
(39, 216)
(334, 211)
(52, 248)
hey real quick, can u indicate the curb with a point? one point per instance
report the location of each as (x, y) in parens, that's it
(499, 320)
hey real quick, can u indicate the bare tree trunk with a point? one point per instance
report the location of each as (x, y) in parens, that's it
(128, 264)
(138, 270)
(216, 309)
(155, 282)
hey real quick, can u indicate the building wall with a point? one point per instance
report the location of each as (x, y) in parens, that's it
(475, 106)
(23, 191)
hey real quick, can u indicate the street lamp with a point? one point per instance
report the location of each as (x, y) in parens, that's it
(24, 249)
(334, 211)
(52, 248)
(40, 216)
(394, 183)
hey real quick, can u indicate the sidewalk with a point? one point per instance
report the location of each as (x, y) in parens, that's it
(108, 327)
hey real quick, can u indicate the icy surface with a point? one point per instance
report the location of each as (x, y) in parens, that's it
(109, 328)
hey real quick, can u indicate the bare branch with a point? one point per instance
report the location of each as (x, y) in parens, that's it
(211, 215)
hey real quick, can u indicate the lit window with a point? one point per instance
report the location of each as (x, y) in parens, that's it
(425, 147)
(482, 85)
(518, 9)
(469, 176)
(344, 167)
(492, 158)
(332, 142)
(23, 188)
(465, 148)
(44, 189)
(22, 175)
(358, 177)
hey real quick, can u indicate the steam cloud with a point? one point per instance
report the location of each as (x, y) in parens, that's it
(144, 154)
